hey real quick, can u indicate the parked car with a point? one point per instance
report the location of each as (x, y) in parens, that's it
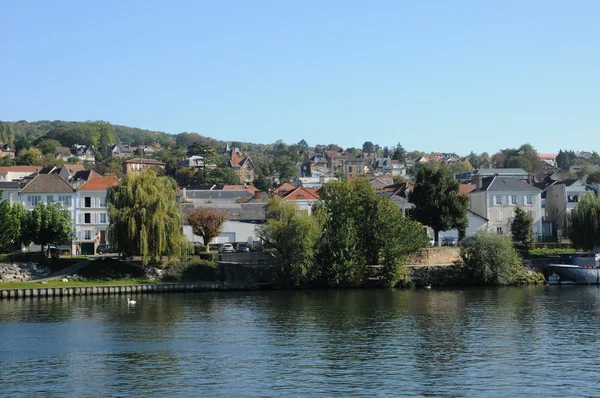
(226, 248)
(243, 248)
(103, 249)
(431, 242)
(449, 241)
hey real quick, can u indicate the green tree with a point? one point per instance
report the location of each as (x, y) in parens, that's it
(206, 151)
(490, 260)
(7, 133)
(303, 145)
(399, 179)
(438, 201)
(12, 219)
(293, 235)
(396, 236)
(521, 229)
(262, 183)
(460, 167)
(30, 157)
(368, 147)
(48, 224)
(593, 178)
(399, 153)
(207, 223)
(144, 217)
(221, 176)
(584, 222)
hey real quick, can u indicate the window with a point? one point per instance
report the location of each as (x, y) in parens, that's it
(33, 200)
(350, 169)
(531, 214)
(498, 200)
(572, 198)
(87, 202)
(499, 215)
(65, 200)
(513, 200)
(50, 198)
(529, 200)
(87, 235)
(103, 202)
(499, 230)
(87, 218)
(102, 218)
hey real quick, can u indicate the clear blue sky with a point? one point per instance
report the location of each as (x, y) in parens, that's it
(433, 75)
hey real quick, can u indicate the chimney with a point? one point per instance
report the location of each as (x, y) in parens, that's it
(478, 181)
(258, 195)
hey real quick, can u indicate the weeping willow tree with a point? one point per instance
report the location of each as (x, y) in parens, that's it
(145, 219)
(584, 222)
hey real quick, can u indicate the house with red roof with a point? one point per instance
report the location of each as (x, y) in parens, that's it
(242, 166)
(305, 198)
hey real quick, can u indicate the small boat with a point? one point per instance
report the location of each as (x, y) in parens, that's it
(574, 268)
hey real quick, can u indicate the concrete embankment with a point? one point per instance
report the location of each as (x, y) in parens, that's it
(111, 290)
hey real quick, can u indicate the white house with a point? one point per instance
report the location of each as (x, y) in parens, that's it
(496, 198)
(91, 213)
(16, 173)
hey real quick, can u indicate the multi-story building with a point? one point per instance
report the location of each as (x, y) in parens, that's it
(91, 213)
(16, 173)
(242, 166)
(561, 198)
(7, 150)
(495, 198)
(133, 165)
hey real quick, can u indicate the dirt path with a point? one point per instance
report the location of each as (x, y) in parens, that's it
(67, 271)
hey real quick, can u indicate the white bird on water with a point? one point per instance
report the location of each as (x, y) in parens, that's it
(130, 302)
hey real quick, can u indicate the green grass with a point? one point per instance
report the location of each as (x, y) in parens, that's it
(549, 252)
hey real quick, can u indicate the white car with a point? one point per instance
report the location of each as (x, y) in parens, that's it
(431, 242)
(226, 248)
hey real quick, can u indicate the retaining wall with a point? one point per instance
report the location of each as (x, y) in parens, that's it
(434, 256)
(109, 290)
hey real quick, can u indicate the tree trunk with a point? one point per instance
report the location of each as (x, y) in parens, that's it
(436, 235)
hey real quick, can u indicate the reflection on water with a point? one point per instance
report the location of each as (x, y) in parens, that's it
(509, 341)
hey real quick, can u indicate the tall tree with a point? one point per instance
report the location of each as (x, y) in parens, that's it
(12, 219)
(438, 201)
(521, 229)
(7, 133)
(207, 152)
(368, 147)
(584, 223)
(47, 224)
(144, 217)
(207, 223)
(399, 153)
(293, 235)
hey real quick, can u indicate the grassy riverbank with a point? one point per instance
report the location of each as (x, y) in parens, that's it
(87, 283)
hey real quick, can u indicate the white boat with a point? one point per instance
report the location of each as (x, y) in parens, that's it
(578, 268)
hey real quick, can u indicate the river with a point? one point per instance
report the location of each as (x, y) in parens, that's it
(475, 342)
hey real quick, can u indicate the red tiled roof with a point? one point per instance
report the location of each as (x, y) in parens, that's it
(26, 169)
(249, 188)
(302, 194)
(467, 188)
(283, 189)
(99, 184)
(547, 156)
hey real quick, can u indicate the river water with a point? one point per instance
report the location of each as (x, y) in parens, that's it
(477, 342)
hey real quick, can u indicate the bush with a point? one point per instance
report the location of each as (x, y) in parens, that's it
(490, 260)
(192, 270)
(107, 269)
(199, 248)
(549, 252)
(206, 256)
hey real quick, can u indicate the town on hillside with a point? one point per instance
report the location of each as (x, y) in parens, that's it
(74, 164)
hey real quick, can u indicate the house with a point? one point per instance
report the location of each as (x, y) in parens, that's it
(381, 182)
(398, 193)
(91, 213)
(305, 198)
(134, 165)
(214, 196)
(496, 198)
(242, 166)
(283, 189)
(315, 165)
(347, 164)
(196, 161)
(561, 198)
(81, 177)
(83, 153)
(313, 182)
(9, 191)
(49, 188)
(67, 171)
(590, 168)
(7, 150)
(383, 167)
(121, 150)
(16, 173)
(243, 220)
(548, 158)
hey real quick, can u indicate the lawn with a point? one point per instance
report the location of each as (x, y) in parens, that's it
(88, 283)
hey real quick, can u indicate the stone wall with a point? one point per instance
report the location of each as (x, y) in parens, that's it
(434, 256)
(21, 272)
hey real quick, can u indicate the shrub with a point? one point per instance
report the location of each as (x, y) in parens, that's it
(206, 256)
(106, 269)
(192, 270)
(199, 249)
(549, 252)
(490, 260)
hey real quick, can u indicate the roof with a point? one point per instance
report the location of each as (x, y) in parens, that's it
(19, 169)
(302, 194)
(9, 185)
(249, 188)
(467, 188)
(478, 215)
(550, 156)
(48, 183)
(84, 175)
(63, 151)
(217, 194)
(281, 190)
(73, 168)
(500, 172)
(99, 183)
(144, 161)
(504, 184)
